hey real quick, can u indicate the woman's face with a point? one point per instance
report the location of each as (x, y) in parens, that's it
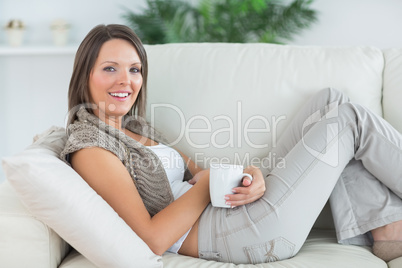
(115, 79)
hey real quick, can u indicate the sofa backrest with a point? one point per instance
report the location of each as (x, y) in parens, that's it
(392, 91)
(230, 102)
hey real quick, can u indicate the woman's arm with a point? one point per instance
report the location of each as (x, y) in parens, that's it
(105, 173)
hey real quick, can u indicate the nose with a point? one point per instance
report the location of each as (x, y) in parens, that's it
(124, 78)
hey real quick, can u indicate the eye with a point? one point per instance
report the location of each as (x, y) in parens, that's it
(135, 70)
(109, 69)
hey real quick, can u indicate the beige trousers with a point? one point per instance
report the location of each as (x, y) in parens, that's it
(331, 146)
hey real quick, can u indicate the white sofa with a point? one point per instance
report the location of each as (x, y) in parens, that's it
(229, 102)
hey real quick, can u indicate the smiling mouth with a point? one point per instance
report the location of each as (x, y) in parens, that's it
(119, 95)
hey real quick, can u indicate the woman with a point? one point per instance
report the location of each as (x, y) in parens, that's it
(121, 157)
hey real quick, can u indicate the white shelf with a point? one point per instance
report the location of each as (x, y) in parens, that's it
(37, 50)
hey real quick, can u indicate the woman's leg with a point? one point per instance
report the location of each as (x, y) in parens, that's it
(361, 203)
(351, 218)
(315, 108)
(265, 230)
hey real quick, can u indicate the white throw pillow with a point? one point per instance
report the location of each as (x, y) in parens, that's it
(54, 193)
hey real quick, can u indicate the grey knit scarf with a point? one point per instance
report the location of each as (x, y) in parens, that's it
(144, 166)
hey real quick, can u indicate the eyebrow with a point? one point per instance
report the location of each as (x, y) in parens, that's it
(110, 61)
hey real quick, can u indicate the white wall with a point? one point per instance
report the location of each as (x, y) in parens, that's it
(33, 88)
(355, 22)
(341, 22)
(81, 14)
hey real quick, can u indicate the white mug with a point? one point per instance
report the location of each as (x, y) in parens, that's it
(222, 179)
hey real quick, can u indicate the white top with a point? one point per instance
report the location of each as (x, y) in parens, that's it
(174, 168)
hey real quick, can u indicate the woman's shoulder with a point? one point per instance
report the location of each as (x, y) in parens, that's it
(83, 135)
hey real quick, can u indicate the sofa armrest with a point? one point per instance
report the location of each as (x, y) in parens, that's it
(26, 241)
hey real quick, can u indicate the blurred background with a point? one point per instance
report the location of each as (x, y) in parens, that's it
(35, 67)
(339, 22)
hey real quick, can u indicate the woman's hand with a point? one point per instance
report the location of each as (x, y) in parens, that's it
(250, 190)
(198, 175)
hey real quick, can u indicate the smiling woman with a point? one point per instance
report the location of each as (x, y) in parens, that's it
(113, 148)
(101, 52)
(115, 81)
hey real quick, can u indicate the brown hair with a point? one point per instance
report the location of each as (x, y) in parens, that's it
(87, 53)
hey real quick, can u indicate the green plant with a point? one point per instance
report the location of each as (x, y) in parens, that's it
(239, 21)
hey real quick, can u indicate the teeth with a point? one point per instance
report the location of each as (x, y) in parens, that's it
(120, 95)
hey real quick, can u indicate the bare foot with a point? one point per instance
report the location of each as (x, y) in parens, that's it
(390, 232)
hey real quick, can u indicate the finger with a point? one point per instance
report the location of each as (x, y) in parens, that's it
(243, 190)
(253, 187)
(244, 193)
(236, 197)
(233, 202)
(246, 182)
(243, 197)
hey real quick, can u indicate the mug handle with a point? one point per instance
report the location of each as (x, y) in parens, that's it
(247, 175)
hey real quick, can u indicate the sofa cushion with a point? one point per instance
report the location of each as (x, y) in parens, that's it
(24, 240)
(392, 87)
(395, 263)
(76, 260)
(320, 251)
(232, 101)
(54, 193)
